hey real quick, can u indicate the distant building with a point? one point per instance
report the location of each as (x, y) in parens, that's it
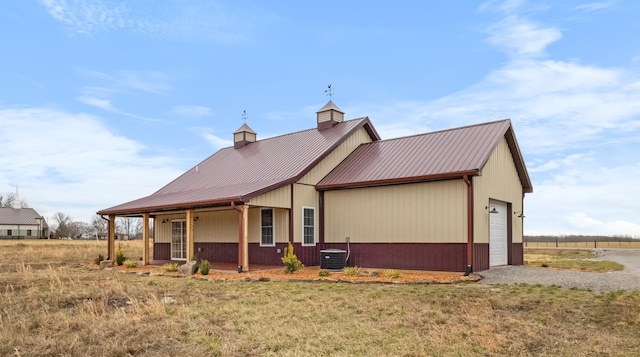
(20, 223)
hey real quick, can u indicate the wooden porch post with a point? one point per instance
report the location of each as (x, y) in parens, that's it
(245, 238)
(145, 239)
(190, 245)
(111, 239)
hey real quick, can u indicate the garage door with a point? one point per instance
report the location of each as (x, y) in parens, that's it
(497, 233)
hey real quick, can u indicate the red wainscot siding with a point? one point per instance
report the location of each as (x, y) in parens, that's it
(411, 256)
(161, 251)
(480, 256)
(516, 255)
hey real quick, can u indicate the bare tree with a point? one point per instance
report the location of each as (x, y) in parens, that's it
(99, 224)
(63, 221)
(10, 199)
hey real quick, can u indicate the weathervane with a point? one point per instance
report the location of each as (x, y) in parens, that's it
(328, 91)
(244, 116)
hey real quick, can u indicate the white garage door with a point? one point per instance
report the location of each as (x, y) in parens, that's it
(497, 233)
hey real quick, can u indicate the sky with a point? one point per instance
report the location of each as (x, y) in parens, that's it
(106, 101)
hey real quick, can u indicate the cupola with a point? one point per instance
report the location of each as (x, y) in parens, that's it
(243, 136)
(329, 116)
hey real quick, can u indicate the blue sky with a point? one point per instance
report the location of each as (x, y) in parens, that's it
(103, 102)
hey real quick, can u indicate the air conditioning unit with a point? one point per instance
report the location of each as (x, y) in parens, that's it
(333, 259)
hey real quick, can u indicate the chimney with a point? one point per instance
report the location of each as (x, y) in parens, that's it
(243, 136)
(329, 116)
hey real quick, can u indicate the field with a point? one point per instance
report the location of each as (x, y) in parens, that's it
(592, 244)
(52, 305)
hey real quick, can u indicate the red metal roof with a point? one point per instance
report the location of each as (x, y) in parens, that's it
(241, 174)
(432, 156)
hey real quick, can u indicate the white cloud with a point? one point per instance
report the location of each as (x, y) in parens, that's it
(594, 6)
(85, 17)
(216, 141)
(191, 111)
(90, 167)
(154, 82)
(174, 20)
(521, 37)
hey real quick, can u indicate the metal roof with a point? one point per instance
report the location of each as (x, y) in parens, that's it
(26, 216)
(241, 174)
(432, 156)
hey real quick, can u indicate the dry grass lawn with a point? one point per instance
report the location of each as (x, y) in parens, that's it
(52, 305)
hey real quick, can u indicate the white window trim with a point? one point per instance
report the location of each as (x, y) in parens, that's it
(315, 227)
(185, 239)
(273, 227)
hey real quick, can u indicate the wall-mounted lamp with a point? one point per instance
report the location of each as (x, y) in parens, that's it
(492, 209)
(165, 220)
(196, 218)
(520, 214)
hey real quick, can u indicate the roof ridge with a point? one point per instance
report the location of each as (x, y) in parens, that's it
(438, 131)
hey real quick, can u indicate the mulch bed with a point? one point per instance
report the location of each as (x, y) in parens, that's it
(311, 274)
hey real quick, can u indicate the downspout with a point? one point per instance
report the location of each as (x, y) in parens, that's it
(469, 225)
(240, 236)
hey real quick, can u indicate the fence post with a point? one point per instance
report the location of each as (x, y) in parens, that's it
(595, 243)
(556, 242)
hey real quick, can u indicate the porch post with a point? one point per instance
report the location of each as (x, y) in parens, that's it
(111, 239)
(145, 239)
(190, 248)
(245, 238)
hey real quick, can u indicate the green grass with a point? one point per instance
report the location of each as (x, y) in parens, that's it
(572, 259)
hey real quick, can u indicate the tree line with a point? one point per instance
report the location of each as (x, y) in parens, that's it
(64, 226)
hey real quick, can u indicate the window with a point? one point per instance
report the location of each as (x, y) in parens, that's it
(308, 226)
(267, 231)
(28, 233)
(9, 232)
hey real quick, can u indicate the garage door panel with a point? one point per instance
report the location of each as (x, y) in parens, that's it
(498, 233)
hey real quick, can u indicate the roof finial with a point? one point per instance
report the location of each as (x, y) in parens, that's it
(244, 116)
(328, 91)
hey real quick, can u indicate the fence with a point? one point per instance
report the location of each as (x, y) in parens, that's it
(584, 244)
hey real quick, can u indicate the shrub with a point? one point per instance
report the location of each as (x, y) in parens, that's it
(351, 271)
(130, 264)
(391, 273)
(290, 260)
(324, 273)
(99, 259)
(120, 258)
(170, 267)
(205, 266)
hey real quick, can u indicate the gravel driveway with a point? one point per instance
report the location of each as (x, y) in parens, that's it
(627, 279)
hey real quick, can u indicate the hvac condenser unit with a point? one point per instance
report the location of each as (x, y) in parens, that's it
(333, 259)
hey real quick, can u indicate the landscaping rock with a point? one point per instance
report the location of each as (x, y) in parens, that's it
(188, 268)
(168, 300)
(105, 264)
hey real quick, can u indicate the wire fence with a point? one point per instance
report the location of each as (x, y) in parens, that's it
(584, 244)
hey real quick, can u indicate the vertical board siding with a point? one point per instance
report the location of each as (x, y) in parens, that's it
(428, 212)
(480, 256)
(413, 256)
(280, 198)
(335, 157)
(218, 252)
(499, 181)
(517, 254)
(162, 231)
(161, 251)
(217, 226)
(281, 225)
(303, 195)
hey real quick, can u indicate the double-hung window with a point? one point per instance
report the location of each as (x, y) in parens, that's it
(267, 232)
(308, 226)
